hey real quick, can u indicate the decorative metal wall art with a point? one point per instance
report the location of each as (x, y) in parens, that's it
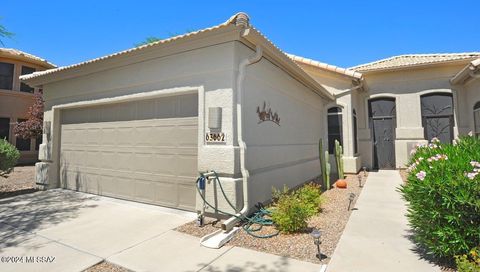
(266, 114)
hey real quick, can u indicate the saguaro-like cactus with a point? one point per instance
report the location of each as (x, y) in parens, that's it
(339, 159)
(323, 166)
(327, 170)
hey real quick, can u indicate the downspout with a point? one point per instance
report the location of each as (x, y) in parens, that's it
(230, 223)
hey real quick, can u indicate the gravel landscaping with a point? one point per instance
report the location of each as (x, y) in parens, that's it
(20, 181)
(106, 267)
(331, 221)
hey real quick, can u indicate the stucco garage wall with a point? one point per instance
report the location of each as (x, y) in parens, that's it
(209, 68)
(286, 153)
(406, 87)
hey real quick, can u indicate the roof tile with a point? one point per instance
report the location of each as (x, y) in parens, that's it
(412, 60)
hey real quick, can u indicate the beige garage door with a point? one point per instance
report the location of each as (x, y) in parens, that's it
(144, 150)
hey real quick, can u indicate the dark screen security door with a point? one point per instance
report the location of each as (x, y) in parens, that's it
(437, 117)
(382, 125)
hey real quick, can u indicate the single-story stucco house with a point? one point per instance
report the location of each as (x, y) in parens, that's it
(142, 123)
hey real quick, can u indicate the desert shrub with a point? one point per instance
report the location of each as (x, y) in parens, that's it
(443, 195)
(310, 195)
(469, 262)
(9, 156)
(292, 209)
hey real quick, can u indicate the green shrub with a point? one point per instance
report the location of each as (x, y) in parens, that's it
(443, 194)
(310, 195)
(470, 262)
(291, 210)
(9, 156)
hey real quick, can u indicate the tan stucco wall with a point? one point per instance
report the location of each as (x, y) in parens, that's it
(285, 154)
(406, 87)
(340, 86)
(14, 105)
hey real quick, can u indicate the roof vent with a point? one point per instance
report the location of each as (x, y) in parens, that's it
(242, 20)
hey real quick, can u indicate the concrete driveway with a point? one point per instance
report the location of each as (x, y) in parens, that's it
(59, 230)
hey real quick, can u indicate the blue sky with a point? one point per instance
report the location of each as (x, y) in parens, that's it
(343, 33)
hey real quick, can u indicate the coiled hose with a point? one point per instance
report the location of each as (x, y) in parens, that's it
(257, 219)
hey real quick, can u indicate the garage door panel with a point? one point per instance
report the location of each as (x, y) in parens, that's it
(122, 161)
(166, 194)
(107, 136)
(144, 190)
(125, 136)
(186, 166)
(184, 196)
(91, 183)
(186, 135)
(121, 153)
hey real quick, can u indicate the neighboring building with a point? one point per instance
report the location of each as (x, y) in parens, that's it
(140, 124)
(16, 97)
(399, 102)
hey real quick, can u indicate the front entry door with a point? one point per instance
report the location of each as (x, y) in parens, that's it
(382, 122)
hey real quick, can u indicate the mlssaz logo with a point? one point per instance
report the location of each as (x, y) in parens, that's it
(266, 114)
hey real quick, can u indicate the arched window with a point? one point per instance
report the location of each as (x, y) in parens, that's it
(355, 140)
(334, 128)
(476, 118)
(437, 116)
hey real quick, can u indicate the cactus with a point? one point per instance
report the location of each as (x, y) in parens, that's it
(339, 159)
(323, 166)
(327, 172)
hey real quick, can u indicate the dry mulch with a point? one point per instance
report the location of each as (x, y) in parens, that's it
(106, 267)
(20, 181)
(331, 221)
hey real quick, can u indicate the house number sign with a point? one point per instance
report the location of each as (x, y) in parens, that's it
(215, 137)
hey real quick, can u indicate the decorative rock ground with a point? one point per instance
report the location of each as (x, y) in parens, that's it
(331, 221)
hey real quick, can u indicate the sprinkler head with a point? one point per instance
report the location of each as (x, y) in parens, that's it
(359, 180)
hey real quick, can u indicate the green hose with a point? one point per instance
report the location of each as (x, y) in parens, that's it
(257, 219)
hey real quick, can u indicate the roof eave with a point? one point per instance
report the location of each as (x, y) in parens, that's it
(465, 74)
(41, 63)
(255, 37)
(409, 67)
(326, 67)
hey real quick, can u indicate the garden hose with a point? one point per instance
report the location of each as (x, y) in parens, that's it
(257, 219)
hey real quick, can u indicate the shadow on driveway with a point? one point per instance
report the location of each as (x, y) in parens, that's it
(31, 213)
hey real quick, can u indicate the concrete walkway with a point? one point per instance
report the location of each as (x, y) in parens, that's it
(376, 235)
(59, 230)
